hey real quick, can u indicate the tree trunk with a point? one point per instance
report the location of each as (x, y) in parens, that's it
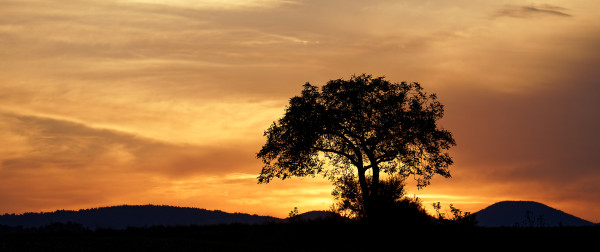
(374, 197)
(364, 187)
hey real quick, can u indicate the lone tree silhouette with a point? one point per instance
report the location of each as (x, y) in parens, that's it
(364, 127)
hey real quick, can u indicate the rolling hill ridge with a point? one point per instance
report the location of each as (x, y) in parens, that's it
(501, 214)
(120, 217)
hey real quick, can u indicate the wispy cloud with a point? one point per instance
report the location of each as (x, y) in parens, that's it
(48, 143)
(530, 11)
(216, 4)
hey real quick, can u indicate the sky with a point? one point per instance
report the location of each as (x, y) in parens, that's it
(112, 102)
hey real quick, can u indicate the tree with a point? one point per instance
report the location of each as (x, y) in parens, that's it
(364, 127)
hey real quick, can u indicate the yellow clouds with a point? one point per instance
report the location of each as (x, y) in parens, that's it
(214, 4)
(51, 143)
(232, 193)
(203, 121)
(60, 164)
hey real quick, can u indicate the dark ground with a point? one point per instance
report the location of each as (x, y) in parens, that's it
(307, 236)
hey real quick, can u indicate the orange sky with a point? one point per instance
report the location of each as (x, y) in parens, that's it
(164, 102)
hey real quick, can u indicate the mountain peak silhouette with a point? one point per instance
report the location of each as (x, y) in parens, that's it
(525, 214)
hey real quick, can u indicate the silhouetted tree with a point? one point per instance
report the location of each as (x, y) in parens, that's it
(362, 126)
(294, 216)
(456, 217)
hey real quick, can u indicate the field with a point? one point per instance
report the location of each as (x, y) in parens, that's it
(307, 236)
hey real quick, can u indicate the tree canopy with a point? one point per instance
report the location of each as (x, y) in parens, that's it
(362, 126)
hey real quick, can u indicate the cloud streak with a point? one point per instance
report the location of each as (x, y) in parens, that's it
(58, 144)
(533, 11)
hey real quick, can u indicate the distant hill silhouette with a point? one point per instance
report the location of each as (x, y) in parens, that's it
(525, 214)
(121, 217)
(505, 213)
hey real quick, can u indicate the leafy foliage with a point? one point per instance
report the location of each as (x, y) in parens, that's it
(349, 197)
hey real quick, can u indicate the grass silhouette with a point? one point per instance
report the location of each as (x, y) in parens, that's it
(310, 235)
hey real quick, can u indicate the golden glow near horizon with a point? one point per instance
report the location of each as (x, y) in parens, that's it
(165, 102)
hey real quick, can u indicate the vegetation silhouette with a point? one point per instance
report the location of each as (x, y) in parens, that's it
(356, 132)
(323, 234)
(393, 206)
(456, 218)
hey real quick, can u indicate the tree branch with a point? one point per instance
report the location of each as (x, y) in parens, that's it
(346, 155)
(357, 151)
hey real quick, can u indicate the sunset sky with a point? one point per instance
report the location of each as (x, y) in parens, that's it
(112, 102)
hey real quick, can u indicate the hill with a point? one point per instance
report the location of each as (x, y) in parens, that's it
(526, 214)
(312, 215)
(120, 217)
(501, 214)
